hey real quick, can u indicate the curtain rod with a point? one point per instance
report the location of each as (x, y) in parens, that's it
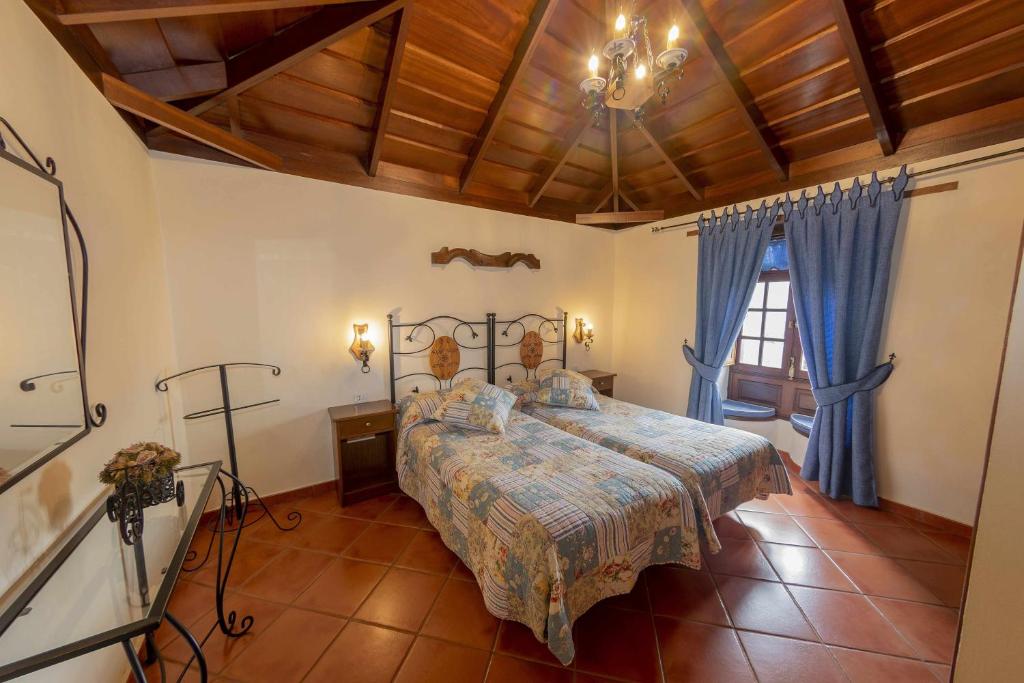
(958, 164)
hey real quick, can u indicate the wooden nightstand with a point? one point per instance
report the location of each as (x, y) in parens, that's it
(364, 450)
(604, 382)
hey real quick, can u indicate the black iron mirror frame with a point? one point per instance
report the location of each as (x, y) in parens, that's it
(47, 170)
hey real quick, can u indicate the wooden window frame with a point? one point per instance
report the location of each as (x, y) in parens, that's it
(791, 338)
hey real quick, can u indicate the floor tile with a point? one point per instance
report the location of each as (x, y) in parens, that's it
(190, 601)
(806, 504)
(905, 543)
(381, 543)
(771, 504)
(427, 552)
(369, 509)
(832, 534)
(505, 669)
(867, 515)
(287, 649)
(955, 546)
(849, 620)
(342, 587)
(763, 606)
(287, 576)
(402, 599)
(774, 528)
(327, 533)
(220, 649)
(876, 575)
(405, 511)
(806, 567)
(431, 661)
(741, 558)
(730, 526)
(459, 614)
(929, 628)
(250, 558)
(518, 640)
(700, 652)
(636, 599)
(461, 571)
(686, 594)
(784, 660)
(325, 502)
(362, 653)
(942, 672)
(946, 581)
(616, 643)
(871, 667)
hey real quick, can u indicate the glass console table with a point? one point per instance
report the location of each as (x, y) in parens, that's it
(99, 591)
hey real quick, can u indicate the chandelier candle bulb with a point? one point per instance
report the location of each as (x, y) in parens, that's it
(641, 71)
(592, 64)
(620, 24)
(673, 36)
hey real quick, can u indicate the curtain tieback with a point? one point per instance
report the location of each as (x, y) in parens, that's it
(706, 371)
(826, 396)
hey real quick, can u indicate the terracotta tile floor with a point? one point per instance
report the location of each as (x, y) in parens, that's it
(804, 590)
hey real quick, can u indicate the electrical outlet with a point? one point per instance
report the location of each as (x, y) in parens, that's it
(358, 398)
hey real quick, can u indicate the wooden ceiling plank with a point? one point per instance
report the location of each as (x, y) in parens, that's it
(571, 141)
(294, 44)
(626, 198)
(181, 82)
(671, 164)
(708, 42)
(106, 11)
(613, 217)
(131, 99)
(852, 33)
(387, 89)
(539, 18)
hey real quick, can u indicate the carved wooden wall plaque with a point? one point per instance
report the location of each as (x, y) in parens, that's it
(476, 258)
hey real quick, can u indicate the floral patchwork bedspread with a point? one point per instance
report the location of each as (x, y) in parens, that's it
(720, 466)
(549, 523)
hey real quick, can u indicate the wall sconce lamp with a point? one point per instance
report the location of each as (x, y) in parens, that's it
(361, 347)
(584, 334)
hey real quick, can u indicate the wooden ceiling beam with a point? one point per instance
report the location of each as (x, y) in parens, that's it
(571, 141)
(707, 41)
(852, 33)
(106, 11)
(626, 198)
(539, 18)
(181, 82)
(387, 89)
(671, 164)
(614, 217)
(606, 194)
(296, 43)
(131, 99)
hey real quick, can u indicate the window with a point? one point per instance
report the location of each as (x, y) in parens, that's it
(768, 342)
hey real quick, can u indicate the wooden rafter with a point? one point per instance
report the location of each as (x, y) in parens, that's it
(852, 33)
(708, 42)
(571, 140)
(387, 89)
(625, 197)
(614, 217)
(105, 11)
(294, 44)
(131, 99)
(671, 164)
(606, 194)
(181, 82)
(539, 18)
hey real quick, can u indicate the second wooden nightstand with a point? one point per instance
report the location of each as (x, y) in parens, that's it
(364, 450)
(604, 382)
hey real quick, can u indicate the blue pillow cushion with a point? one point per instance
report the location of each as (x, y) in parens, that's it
(474, 404)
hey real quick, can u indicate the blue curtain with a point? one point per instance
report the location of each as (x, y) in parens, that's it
(730, 253)
(840, 254)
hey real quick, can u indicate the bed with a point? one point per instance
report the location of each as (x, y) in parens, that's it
(721, 467)
(548, 523)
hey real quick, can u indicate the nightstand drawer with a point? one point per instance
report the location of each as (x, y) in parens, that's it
(362, 426)
(603, 383)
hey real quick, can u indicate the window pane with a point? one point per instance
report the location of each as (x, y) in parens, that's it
(778, 294)
(757, 300)
(749, 348)
(772, 354)
(752, 324)
(774, 325)
(803, 362)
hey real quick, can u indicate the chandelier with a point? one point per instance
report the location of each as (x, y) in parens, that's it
(632, 79)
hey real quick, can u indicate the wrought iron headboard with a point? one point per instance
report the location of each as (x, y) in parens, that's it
(548, 332)
(444, 361)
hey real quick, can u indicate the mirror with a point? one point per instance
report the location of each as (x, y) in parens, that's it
(43, 407)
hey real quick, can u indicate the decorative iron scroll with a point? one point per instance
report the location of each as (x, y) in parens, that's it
(505, 260)
(443, 352)
(531, 343)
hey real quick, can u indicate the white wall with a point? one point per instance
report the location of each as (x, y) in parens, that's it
(950, 290)
(106, 172)
(995, 600)
(273, 268)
